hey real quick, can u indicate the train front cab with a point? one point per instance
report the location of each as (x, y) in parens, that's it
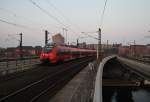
(48, 55)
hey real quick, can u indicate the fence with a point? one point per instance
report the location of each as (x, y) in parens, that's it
(17, 65)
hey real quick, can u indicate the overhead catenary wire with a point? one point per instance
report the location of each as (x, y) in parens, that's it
(93, 37)
(53, 17)
(62, 14)
(9, 35)
(17, 25)
(55, 8)
(101, 21)
(8, 11)
(66, 18)
(24, 18)
(18, 16)
(47, 13)
(102, 15)
(14, 24)
(85, 33)
(71, 26)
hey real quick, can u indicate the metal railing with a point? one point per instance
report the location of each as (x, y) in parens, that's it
(17, 65)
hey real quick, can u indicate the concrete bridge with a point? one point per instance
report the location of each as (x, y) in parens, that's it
(115, 71)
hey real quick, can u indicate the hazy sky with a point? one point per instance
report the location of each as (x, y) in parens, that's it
(124, 20)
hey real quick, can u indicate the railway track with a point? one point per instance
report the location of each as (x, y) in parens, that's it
(47, 85)
(138, 68)
(30, 76)
(37, 68)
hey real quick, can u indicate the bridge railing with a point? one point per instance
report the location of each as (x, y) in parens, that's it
(8, 67)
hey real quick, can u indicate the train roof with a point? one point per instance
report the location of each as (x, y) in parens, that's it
(68, 47)
(74, 48)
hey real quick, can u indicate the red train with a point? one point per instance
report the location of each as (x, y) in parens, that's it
(54, 54)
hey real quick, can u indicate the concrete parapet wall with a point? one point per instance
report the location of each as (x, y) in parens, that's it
(98, 84)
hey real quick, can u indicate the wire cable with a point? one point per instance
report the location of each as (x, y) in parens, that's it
(18, 16)
(47, 13)
(14, 24)
(61, 13)
(17, 25)
(9, 35)
(8, 11)
(90, 36)
(103, 12)
(51, 16)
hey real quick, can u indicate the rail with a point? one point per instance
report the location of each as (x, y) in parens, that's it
(137, 67)
(49, 82)
(142, 60)
(98, 82)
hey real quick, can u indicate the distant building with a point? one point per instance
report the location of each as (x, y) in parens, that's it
(38, 50)
(124, 50)
(26, 50)
(103, 46)
(82, 45)
(134, 50)
(91, 46)
(2, 52)
(137, 50)
(58, 39)
(14, 52)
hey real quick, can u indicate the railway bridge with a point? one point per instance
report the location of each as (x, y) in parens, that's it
(115, 79)
(122, 80)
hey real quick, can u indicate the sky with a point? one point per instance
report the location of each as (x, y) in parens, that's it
(123, 22)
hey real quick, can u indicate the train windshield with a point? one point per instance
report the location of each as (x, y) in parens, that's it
(47, 49)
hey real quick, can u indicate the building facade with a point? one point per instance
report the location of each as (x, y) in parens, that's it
(58, 39)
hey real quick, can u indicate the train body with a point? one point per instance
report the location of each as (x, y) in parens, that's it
(54, 54)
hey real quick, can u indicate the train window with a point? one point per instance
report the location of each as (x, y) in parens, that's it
(47, 49)
(66, 51)
(59, 52)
